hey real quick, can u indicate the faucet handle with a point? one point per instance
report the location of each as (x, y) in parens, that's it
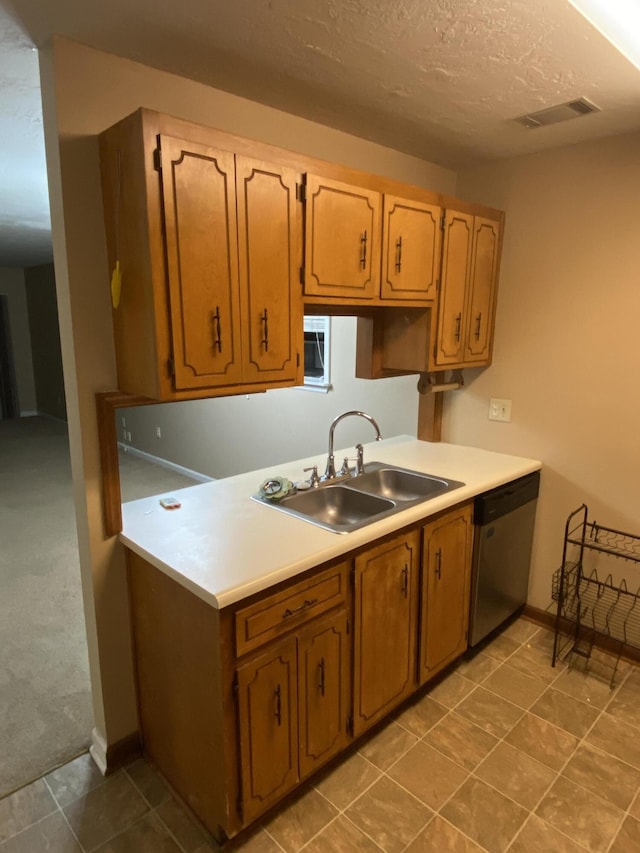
(359, 459)
(314, 480)
(345, 470)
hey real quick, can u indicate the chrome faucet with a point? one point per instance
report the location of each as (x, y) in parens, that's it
(330, 471)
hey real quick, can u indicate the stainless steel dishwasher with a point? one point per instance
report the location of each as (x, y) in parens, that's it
(503, 520)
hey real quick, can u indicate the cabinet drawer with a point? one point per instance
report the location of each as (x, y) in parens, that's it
(276, 614)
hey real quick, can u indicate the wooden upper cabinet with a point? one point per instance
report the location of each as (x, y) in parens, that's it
(444, 606)
(269, 219)
(209, 243)
(456, 267)
(411, 239)
(466, 306)
(385, 609)
(364, 247)
(482, 287)
(198, 185)
(342, 240)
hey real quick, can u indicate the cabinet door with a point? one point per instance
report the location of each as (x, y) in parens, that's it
(384, 628)
(342, 240)
(483, 282)
(456, 268)
(267, 702)
(270, 253)
(410, 250)
(323, 690)
(445, 590)
(202, 263)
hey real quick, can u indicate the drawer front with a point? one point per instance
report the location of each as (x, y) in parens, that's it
(276, 614)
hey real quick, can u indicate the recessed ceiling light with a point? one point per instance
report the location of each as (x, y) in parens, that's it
(618, 21)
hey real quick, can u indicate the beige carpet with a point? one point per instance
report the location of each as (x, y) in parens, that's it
(45, 703)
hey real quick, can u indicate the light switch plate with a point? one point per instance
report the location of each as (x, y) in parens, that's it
(499, 410)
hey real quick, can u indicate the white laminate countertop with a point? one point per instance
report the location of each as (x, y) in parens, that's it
(224, 547)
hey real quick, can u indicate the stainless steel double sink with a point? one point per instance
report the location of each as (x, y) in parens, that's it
(356, 501)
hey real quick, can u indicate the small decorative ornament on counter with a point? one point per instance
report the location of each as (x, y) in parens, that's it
(275, 488)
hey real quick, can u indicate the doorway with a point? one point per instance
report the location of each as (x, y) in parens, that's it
(8, 393)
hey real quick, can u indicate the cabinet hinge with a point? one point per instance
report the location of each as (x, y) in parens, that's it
(301, 192)
(235, 686)
(157, 160)
(297, 359)
(301, 275)
(437, 285)
(348, 627)
(350, 725)
(171, 366)
(443, 219)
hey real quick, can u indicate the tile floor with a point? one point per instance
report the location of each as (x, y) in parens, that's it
(505, 753)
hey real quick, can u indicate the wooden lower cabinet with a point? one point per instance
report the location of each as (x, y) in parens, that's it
(324, 691)
(293, 711)
(385, 610)
(238, 706)
(444, 605)
(267, 704)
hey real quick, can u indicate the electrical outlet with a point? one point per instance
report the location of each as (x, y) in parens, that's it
(499, 410)
(158, 432)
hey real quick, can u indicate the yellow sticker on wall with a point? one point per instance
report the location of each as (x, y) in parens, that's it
(116, 285)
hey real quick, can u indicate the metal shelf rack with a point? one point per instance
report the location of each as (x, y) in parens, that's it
(594, 608)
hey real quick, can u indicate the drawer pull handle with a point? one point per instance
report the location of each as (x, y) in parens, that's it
(217, 334)
(308, 602)
(321, 684)
(278, 705)
(439, 563)
(405, 581)
(458, 327)
(363, 251)
(264, 319)
(478, 322)
(399, 255)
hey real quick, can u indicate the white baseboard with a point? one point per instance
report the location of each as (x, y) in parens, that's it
(165, 463)
(98, 751)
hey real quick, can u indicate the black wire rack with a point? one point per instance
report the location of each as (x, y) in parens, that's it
(591, 606)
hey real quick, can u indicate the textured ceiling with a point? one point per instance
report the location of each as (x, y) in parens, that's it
(440, 79)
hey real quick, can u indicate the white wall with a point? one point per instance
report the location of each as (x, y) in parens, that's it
(567, 349)
(230, 435)
(12, 285)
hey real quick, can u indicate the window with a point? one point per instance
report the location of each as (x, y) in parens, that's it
(317, 348)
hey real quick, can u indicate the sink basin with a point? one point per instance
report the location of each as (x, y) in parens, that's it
(336, 507)
(398, 484)
(354, 502)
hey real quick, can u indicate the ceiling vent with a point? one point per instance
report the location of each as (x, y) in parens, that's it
(562, 112)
